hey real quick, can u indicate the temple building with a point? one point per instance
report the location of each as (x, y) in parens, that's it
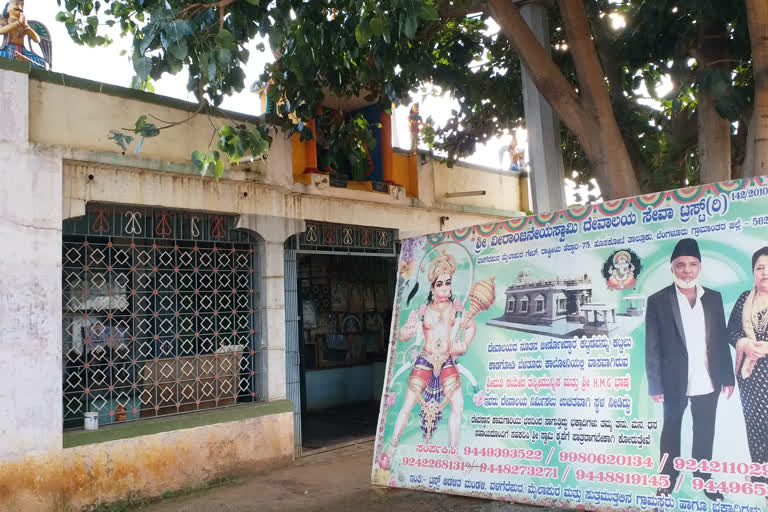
(161, 308)
(547, 301)
(552, 306)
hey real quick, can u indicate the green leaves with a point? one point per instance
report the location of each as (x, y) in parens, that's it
(259, 144)
(409, 26)
(120, 139)
(231, 144)
(348, 142)
(146, 129)
(237, 141)
(199, 160)
(143, 67)
(148, 34)
(225, 39)
(224, 57)
(428, 12)
(173, 38)
(382, 50)
(205, 162)
(372, 24)
(175, 31)
(179, 49)
(378, 25)
(362, 34)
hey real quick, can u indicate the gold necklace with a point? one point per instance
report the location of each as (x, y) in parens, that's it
(759, 314)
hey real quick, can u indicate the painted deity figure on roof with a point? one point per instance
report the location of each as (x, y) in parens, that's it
(19, 33)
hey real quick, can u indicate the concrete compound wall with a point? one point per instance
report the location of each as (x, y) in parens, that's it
(502, 189)
(144, 466)
(102, 108)
(51, 123)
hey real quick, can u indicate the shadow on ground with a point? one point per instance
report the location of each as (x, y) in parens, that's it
(335, 480)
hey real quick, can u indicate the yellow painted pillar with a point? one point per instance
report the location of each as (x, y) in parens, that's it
(525, 200)
(412, 187)
(310, 149)
(386, 148)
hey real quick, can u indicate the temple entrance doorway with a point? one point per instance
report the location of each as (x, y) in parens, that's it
(343, 301)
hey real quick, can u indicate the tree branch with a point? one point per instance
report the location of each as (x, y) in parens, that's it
(170, 124)
(606, 51)
(544, 73)
(193, 9)
(584, 53)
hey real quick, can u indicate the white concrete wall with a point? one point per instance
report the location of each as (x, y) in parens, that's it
(51, 122)
(501, 188)
(85, 138)
(235, 194)
(30, 284)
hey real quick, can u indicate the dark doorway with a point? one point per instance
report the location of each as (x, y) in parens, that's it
(345, 306)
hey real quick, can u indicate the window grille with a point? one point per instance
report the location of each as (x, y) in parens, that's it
(160, 314)
(323, 237)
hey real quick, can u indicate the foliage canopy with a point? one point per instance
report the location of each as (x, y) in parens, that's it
(385, 49)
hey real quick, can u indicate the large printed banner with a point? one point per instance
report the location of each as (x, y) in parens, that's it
(605, 357)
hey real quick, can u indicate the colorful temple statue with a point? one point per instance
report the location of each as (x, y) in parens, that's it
(14, 27)
(516, 156)
(414, 125)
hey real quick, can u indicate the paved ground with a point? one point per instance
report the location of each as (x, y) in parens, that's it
(330, 481)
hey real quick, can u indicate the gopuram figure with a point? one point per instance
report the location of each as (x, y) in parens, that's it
(14, 27)
(414, 126)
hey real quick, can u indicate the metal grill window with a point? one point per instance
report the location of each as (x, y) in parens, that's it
(160, 312)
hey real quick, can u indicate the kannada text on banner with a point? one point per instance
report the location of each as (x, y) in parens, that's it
(604, 357)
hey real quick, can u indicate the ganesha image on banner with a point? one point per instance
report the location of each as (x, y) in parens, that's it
(443, 331)
(621, 269)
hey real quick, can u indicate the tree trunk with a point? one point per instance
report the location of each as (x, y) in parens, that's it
(613, 165)
(714, 130)
(589, 116)
(757, 14)
(748, 165)
(714, 141)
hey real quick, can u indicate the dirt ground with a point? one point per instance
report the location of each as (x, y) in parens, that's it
(329, 481)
